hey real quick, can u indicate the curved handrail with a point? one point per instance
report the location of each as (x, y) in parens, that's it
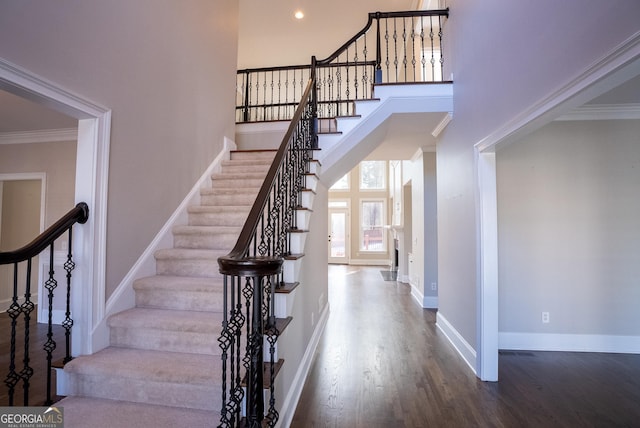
(79, 214)
(236, 262)
(378, 15)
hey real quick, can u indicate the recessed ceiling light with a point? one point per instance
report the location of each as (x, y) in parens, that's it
(299, 14)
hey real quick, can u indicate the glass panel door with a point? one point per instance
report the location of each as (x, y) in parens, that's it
(338, 236)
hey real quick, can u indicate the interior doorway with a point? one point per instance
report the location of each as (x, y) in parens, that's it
(21, 219)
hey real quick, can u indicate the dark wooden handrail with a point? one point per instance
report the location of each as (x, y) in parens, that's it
(379, 15)
(79, 214)
(236, 263)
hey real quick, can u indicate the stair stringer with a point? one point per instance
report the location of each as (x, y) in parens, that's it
(123, 297)
(340, 152)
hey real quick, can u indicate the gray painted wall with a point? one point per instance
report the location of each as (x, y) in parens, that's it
(569, 228)
(166, 69)
(505, 56)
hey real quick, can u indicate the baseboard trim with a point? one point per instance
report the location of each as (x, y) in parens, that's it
(569, 342)
(426, 302)
(293, 396)
(465, 350)
(366, 262)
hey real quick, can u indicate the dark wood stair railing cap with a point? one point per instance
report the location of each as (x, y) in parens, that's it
(78, 214)
(251, 266)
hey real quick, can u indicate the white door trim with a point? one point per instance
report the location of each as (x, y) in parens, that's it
(612, 69)
(92, 167)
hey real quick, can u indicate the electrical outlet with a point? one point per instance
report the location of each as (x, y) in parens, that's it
(545, 317)
(434, 286)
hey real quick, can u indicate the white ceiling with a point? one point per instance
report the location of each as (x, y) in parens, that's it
(270, 35)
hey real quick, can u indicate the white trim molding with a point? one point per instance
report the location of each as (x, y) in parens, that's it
(465, 350)
(443, 124)
(123, 297)
(92, 170)
(41, 136)
(603, 112)
(570, 342)
(293, 396)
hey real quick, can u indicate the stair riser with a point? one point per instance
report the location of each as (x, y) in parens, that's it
(199, 268)
(235, 183)
(162, 340)
(244, 168)
(228, 199)
(222, 241)
(247, 155)
(216, 219)
(179, 300)
(204, 397)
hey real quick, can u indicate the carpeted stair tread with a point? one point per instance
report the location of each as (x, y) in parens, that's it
(205, 237)
(165, 319)
(213, 215)
(233, 183)
(189, 262)
(147, 376)
(248, 162)
(184, 283)
(84, 412)
(158, 366)
(167, 330)
(229, 191)
(259, 175)
(208, 230)
(189, 254)
(179, 292)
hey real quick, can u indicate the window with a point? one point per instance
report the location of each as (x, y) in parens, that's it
(372, 216)
(342, 184)
(372, 175)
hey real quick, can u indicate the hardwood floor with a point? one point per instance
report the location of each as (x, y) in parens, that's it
(383, 363)
(37, 359)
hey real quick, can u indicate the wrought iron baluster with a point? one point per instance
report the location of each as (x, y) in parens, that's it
(14, 312)
(404, 45)
(433, 59)
(441, 49)
(50, 345)
(26, 308)
(386, 38)
(67, 324)
(395, 49)
(355, 70)
(422, 58)
(413, 48)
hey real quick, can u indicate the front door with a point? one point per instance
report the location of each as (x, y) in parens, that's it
(338, 235)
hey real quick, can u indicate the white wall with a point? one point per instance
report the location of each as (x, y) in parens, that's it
(424, 244)
(569, 227)
(505, 56)
(166, 69)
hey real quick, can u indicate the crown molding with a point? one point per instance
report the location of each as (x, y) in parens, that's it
(603, 112)
(42, 136)
(443, 124)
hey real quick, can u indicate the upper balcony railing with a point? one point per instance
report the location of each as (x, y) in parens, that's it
(394, 47)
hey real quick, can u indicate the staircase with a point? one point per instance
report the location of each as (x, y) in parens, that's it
(163, 365)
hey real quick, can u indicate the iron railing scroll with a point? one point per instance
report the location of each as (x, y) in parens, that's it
(253, 270)
(22, 305)
(402, 47)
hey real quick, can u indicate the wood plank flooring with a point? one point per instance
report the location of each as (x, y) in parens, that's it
(382, 362)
